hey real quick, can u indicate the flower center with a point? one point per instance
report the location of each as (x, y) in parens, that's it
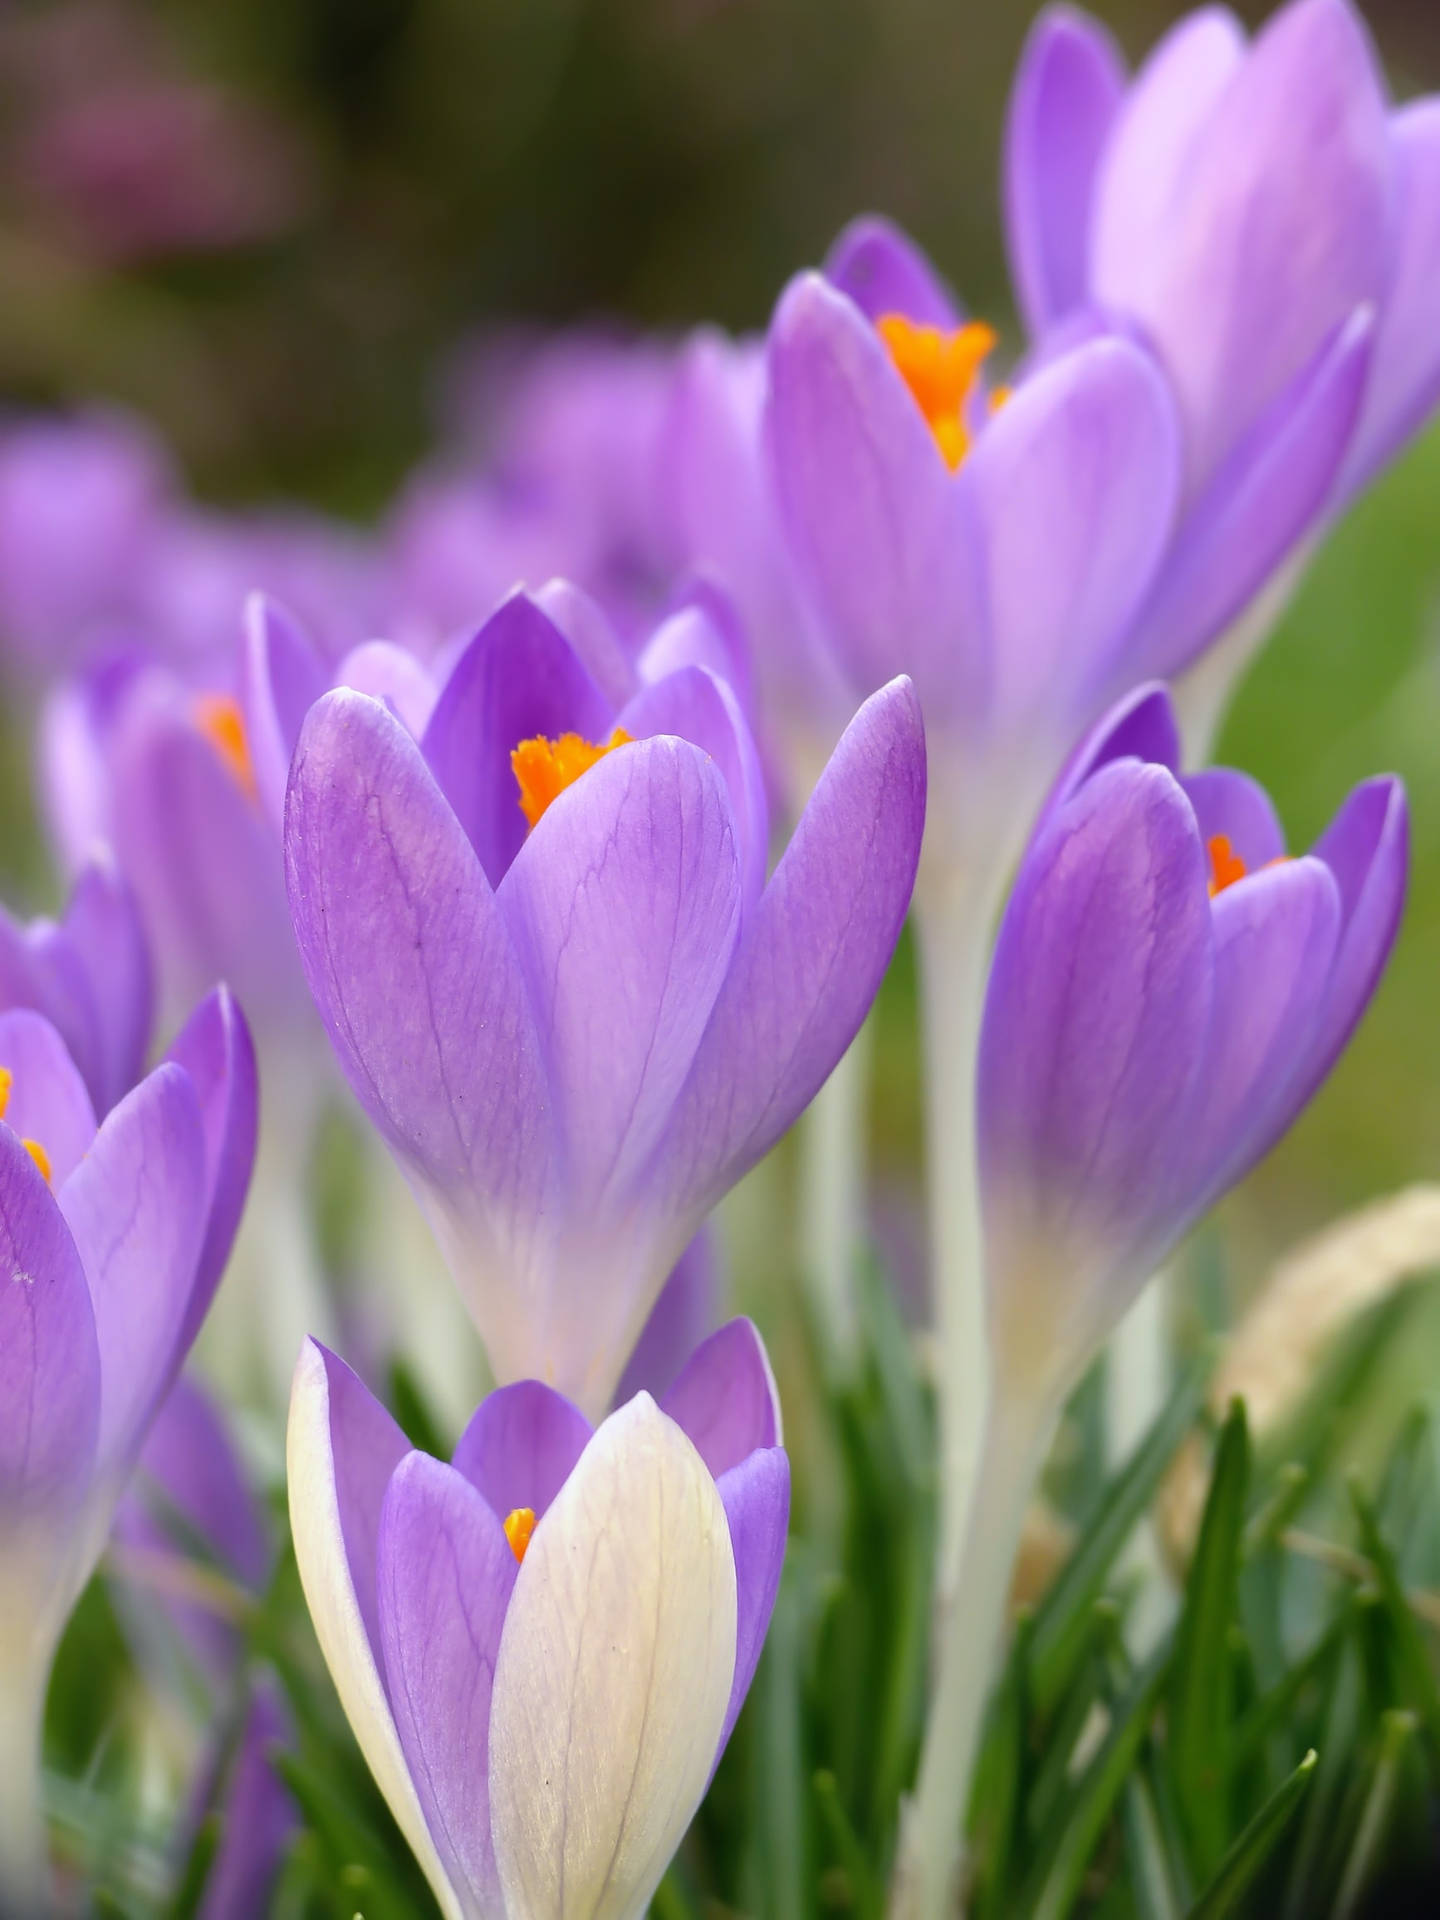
(33, 1147)
(545, 768)
(942, 371)
(519, 1525)
(1226, 866)
(219, 720)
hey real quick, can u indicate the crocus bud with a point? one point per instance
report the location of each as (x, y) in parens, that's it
(542, 1647)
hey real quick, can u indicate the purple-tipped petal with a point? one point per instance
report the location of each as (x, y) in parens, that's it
(703, 631)
(725, 1398)
(281, 678)
(1405, 374)
(1075, 485)
(814, 952)
(1264, 499)
(49, 1355)
(136, 1209)
(103, 931)
(590, 631)
(624, 905)
(694, 704)
(410, 961)
(1065, 100)
(216, 1051)
(1239, 807)
(680, 1319)
(520, 1446)
(883, 271)
(446, 1573)
(1142, 726)
(389, 674)
(518, 678)
(47, 1101)
(756, 1495)
(877, 527)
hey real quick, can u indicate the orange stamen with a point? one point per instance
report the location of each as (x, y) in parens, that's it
(941, 370)
(38, 1154)
(519, 1525)
(545, 768)
(219, 719)
(7, 1080)
(1226, 866)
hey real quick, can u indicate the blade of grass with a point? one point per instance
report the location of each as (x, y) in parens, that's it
(1254, 1846)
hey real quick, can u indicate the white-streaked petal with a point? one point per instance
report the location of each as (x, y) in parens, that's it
(335, 1610)
(614, 1672)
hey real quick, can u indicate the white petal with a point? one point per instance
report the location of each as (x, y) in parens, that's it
(330, 1596)
(614, 1671)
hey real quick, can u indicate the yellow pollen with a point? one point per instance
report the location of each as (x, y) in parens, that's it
(38, 1154)
(941, 370)
(545, 768)
(1226, 866)
(519, 1525)
(219, 719)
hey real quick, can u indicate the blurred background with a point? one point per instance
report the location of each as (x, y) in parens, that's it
(267, 225)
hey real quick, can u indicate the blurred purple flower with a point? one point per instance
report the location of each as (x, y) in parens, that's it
(1167, 992)
(574, 1042)
(543, 1647)
(1270, 227)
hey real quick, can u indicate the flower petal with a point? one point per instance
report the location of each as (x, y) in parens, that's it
(815, 950)
(391, 674)
(1239, 807)
(1141, 726)
(883, 271)
(136, 1208)
(598, 1762)
(281, 678)
(1065, 100)
(725, 1399)
(341, 1450)
(47, 1099)
(680, 1319)
(518, 677)
(521, 1446)
(756, 1494)
(102, 930)
(216, 1051)
(875, 523)
(446, 1572)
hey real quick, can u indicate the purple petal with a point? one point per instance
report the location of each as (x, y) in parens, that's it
(215, 1049)
(1278, 228)
(136, 1208)
(1263, 501)
(696, 705)
(281, 678)
(47, 1099)
(680, 1319)
(883, 271)
(590, 631)
(756, 1494)
(521, 1445)
(410, 962)
(446, 1573)
(260, 1818)
(1066, 97)
(875, 522)
(518, 678)
(1141, 726)
(814, 953)
(1096, 1019)
(725, 1399)
(49, 1355)
(704, 630)
(102, 930)
(1239, 807)
(1075, 485)
(1405, 373)
(390, 674)
(624, 905)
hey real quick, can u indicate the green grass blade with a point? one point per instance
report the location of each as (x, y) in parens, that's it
(1397, 1730)
(1254, 1846)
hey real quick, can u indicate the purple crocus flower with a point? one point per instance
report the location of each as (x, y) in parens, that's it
(542, 1647)
(113, 1242)
(1263, 219)
(89, 974)
(1167, 993)
(576, 1039)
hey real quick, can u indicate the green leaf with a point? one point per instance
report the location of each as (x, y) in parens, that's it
(1152, 1871)
(360, 1864)
(1202, 1673)
(1063, 1618)
(1397, 1730)
(1411, 1655)
(865, 1896)
(1306, 1882)
(1254, 1846)
(1275, 1709)
(1000, 1779)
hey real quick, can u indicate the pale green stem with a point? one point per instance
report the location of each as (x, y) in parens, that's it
(24, 1869)
(1137, 1382)
(1203, 693)
(953, 924)
(833, 1179)
(969, 1635)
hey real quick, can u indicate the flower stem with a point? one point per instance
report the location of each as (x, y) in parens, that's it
(969, 1632)
(833, 1177)
(24, 1871)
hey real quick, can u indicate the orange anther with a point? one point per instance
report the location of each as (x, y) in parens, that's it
(218, 717)
(941, 370)
(1226, 866)
(38, 1154)
(519, 1525)
(544, 768)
